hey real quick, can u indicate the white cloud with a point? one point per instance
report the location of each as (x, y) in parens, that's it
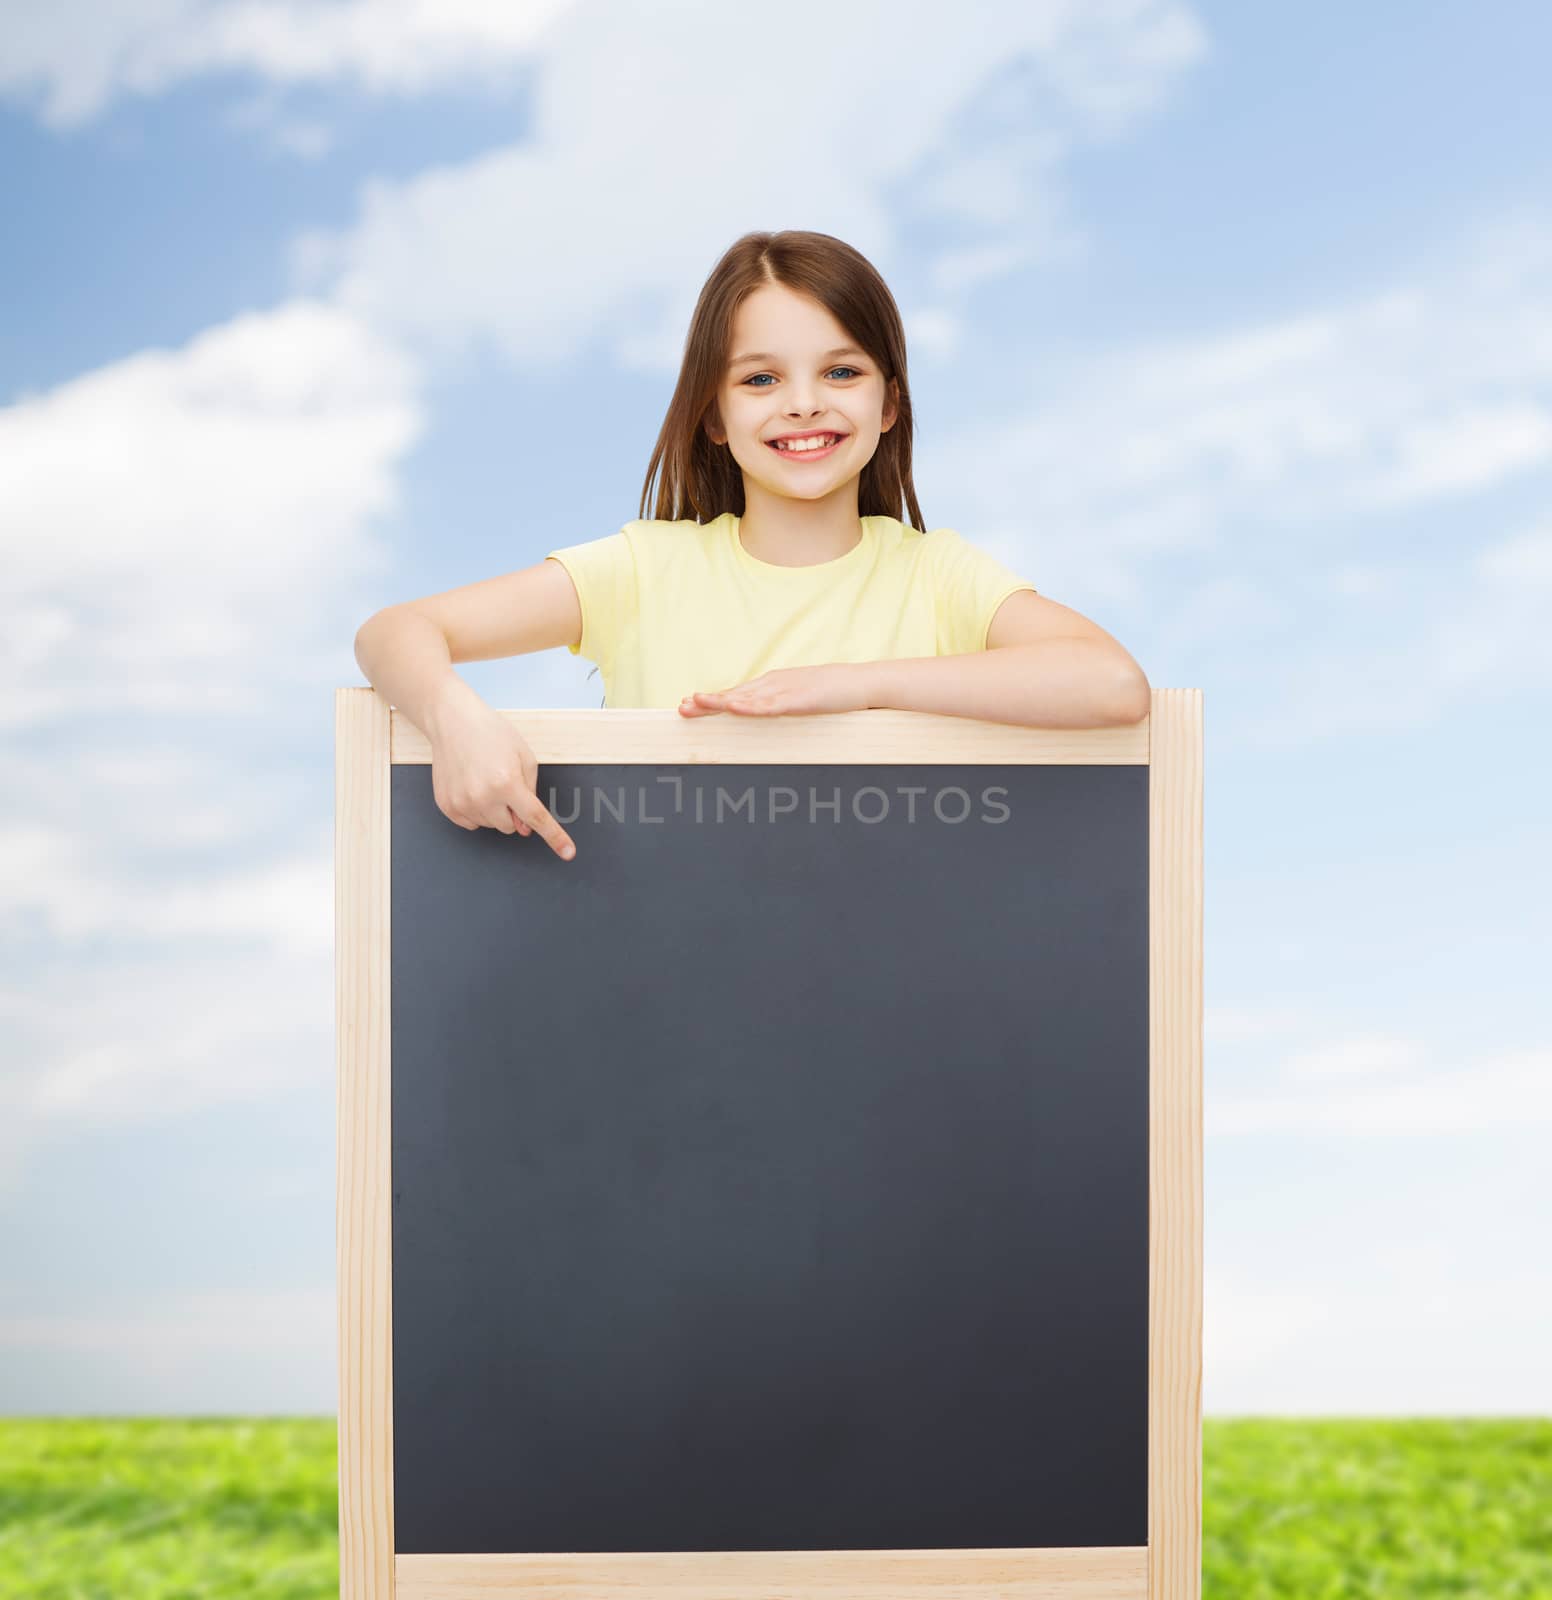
(305, 138)
(232, 1352)
(1416, 393)
(1476, 635)
(1357, 579)
(1231, 1024)
(1425, 1334)
(184, 528)
(1290, 464)
(199, 1320)
(75, 57)
(601, 225)
(76, 885)
(167, 520)
(148, 1036)
(189, 531)
(188, 536)
(1107, 60)
(1380, 1088)
(1247, 1331)
(1363, 1055)
(1464, 450)
(1524, 558)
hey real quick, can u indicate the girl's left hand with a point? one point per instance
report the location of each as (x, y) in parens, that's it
(787, 691)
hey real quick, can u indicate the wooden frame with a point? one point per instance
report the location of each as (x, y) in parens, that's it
(369, 739)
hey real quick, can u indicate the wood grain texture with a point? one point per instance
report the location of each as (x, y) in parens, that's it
(1055, 1574)
(860, 736)
(370, 738)
(362, 1217)
(1175, 1146)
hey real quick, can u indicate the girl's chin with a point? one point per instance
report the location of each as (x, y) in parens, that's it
(815, 487)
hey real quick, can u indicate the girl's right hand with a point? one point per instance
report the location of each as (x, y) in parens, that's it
(483, 774)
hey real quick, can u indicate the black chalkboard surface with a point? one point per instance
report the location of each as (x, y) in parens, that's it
(774, 1175)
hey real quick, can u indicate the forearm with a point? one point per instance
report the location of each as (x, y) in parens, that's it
(404, 656)
(1057, 683)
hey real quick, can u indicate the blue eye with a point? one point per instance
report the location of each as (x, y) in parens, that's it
(750, 380)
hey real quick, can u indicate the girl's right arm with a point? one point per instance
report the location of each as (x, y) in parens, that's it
(483, 772)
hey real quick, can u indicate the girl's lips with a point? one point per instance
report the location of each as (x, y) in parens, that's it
(807, 455)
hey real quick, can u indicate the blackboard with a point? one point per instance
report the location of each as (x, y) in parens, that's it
(773, 1178)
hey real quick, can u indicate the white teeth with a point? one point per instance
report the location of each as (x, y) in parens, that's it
(808, 444)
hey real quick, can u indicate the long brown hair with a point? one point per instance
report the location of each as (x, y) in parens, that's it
(701, 480)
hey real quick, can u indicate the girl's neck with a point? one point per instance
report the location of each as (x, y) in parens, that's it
(799, 533)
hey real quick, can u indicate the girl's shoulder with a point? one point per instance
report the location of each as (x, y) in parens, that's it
(908, 533)
(677, 533)
(675, 548)
(913, 543)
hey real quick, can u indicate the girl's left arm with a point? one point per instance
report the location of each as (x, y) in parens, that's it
(1044, 666)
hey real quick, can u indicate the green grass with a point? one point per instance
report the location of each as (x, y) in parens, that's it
(1325, 1510)
(181, 1509)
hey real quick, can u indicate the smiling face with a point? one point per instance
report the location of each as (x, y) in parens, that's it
(800, 372)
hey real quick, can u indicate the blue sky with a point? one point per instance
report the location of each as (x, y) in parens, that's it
(1230, 329)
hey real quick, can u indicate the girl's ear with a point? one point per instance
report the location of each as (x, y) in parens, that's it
(891, 405)
(713, 426)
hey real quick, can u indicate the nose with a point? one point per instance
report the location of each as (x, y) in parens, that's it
(803, 401)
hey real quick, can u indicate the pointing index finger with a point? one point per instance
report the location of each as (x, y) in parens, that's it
(535, 814)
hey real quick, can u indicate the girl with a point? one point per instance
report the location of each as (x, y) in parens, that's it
(776, 577)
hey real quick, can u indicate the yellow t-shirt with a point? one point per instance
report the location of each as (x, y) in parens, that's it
(669, 607)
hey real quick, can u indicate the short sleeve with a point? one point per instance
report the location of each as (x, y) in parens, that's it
(603, 572)
(968, 586)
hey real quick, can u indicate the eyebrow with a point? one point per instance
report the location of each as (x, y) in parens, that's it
(765, 355)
